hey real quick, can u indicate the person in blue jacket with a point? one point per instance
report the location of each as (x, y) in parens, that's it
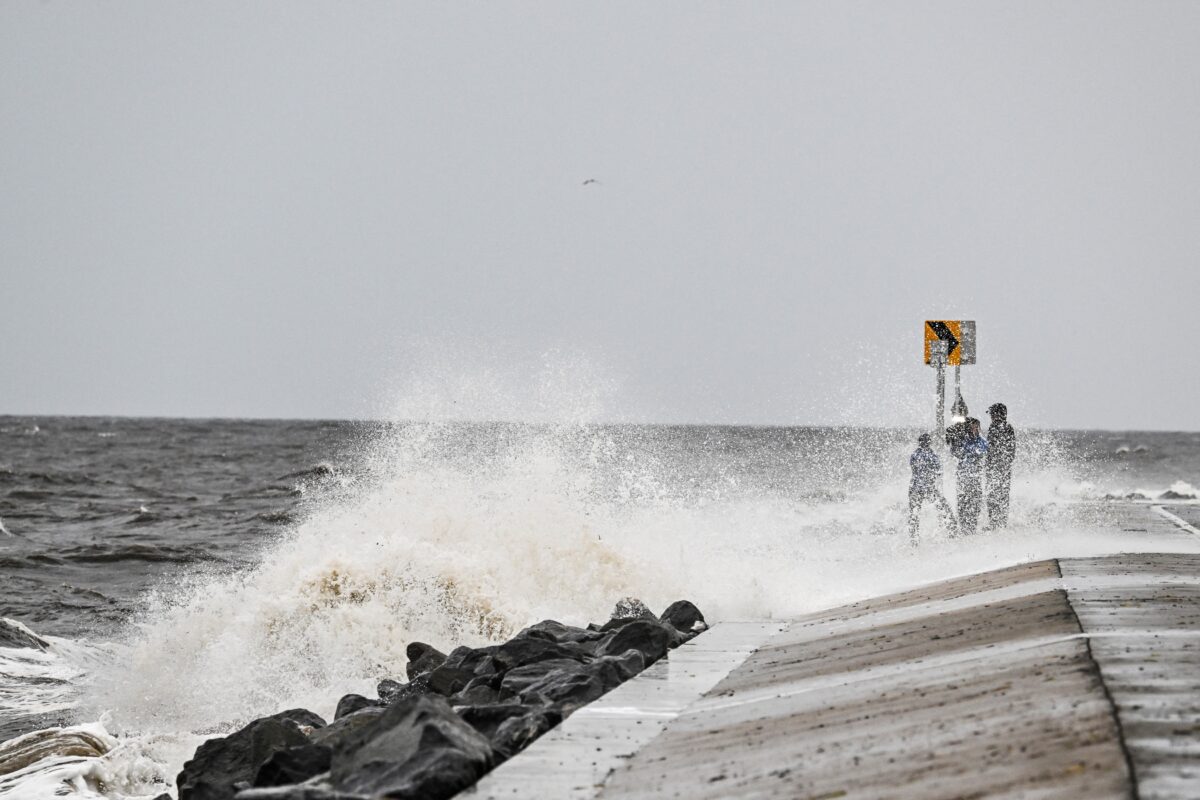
(971, 452)
(926, 485)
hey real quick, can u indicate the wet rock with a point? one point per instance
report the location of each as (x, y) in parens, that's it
(586, 651)
(627, 610)
(522, 651)
(446, 680)
(351, 703)
(480, 691)
(555, 631)
(650, 639)
(468, 659)
(459, 713)
(293, 765)
(518, 732)
(220, 767)
(422, 658)
(631, 608)
(517, 681)
(390, 695)
(308, 791)
(570, 688)
(626, 665)
(684, 617)
(388, 690)
(307, 720)
(567, 689)
(487, 718)
(418, 748)
(347, 727)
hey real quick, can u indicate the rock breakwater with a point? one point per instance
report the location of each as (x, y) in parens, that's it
(457, 716)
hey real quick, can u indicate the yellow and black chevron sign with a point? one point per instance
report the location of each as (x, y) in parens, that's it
(959, 336)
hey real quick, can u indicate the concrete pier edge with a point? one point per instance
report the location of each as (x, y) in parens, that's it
(1070, 677)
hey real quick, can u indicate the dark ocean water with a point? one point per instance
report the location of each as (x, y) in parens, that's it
(97, 510)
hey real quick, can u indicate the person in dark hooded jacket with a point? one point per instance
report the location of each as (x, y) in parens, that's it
(926, 485)
(971, 452)
(1002, 450)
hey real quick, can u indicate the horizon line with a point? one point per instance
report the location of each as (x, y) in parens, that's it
(581, 423)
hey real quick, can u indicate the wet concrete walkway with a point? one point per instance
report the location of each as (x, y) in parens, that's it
(1071, 678)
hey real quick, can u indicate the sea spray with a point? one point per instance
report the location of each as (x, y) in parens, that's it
(458, 533)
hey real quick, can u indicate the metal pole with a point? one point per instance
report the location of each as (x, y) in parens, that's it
(941, 400)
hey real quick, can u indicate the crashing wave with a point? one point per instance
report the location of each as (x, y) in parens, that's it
(14, 634)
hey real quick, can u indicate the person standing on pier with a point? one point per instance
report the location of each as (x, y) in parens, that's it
(1002, 449)
(926, 485)
(971, 451)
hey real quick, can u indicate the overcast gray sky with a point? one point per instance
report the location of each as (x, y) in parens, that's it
(333, 209)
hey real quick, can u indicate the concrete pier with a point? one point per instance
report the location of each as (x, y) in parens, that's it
(1066, 678)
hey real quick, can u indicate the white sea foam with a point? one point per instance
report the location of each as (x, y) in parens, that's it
(457, 554)
(43, 680)
(89, 763)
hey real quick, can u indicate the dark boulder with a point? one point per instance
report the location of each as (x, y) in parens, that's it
(468, 658)
(223, 766)
(304, 791)
(586, 650)
(684, 617)
(482, 690)
(631, 608)
(422, 658)
(388, 690)
(346, 727)
(351, 703)
(293, 765)
(566, 689)
(488, 718)
(446, 680)
(572, 687)
(418, 748)
(458, 714)
(651, 639)
(628, 610)
(554, 631)
(522, 651)
(517, 680)
(518, 732)
(392, 695)
(626, 665)
(307, 720)
(487, 668)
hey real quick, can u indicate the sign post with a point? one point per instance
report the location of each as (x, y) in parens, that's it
(949, 342)
(938, 359)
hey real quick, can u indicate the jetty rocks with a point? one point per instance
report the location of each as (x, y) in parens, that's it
(456, 717)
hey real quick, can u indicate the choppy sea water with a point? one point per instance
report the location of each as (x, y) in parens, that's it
(165, 580)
